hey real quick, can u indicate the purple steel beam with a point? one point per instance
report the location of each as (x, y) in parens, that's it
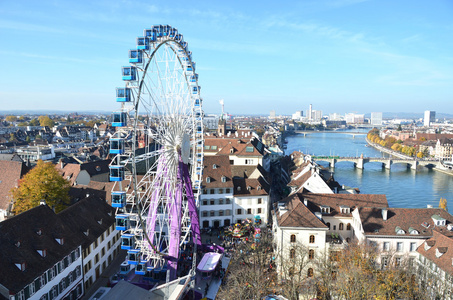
(175, 225)
(193, 213)
(152, 212)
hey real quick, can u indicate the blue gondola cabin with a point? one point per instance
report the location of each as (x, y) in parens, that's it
(123, 94)
(127, 241)
(191, 68)
(116, 146)
(118, 199)
(133, 256)
(116, 173)
(140, 269)
(121, 222)
(194, 78)
(197, 102)
(196, 89)
(142, 43)
(135, 56)
(129, 73)
(150, 34)
(119, 119)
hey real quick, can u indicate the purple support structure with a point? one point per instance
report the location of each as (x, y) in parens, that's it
(152, 212)
(175, 225)
(193, 213)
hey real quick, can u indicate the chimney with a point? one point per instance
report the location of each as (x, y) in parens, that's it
(42, 202)
(384, 214)
(61, 163)
(305, 202)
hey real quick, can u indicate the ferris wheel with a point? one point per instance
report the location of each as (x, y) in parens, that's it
(158, 148)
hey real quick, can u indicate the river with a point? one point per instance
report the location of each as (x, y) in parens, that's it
(402, 186)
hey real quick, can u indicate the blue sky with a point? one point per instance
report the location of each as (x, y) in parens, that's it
(339, 55)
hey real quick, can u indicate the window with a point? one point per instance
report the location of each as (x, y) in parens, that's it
(334, 227)
(328, 225)
(249, 149)
(212, 213)
(103, 251)
(385, 261)
(249, 161)
(312, 239)
(212, 202)
(386, 246)
(292, 253)
(293, 238)
(348, 226)
(239, 211)
(96, 258)
(249, 211)
(221, 213)
(260, 200)
(227, 191)
(220, 191)
(341, 226)
(214, 166)
(95, 245)
(213, 147)
(413, 247)
(205, 202)
(227, 212)
(311, 254)
(223, 179)
(227, 201)
(220, 201)
(212, 191)
(310, 272)
(208, 179)
(205, 213)
(205, 191)
(259, 211)
(399, 246)
(397, 261)
(206, 147)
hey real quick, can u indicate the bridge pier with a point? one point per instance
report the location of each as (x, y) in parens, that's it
(359, 163)
(388, 164)
(414, 165)
(332, 163)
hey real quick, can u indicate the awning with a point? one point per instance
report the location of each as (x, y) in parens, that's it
(209, 262)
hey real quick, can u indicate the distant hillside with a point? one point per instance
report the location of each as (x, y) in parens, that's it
(52, 112)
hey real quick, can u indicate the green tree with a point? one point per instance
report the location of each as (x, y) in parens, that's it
(46, 121)
(420, 155)
(12, 137)
(34, 122)
(42, 183)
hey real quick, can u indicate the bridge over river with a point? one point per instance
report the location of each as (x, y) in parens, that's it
(353, 133)
(359, 162)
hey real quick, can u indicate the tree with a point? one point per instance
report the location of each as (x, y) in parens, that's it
(420, 155)
(443, 204)
(46, 121)
(11, 118)
(34, 122)
(42, 183)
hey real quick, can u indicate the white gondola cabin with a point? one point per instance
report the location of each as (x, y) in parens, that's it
(135, 56)
(119, 119)
(118, 199)
(123, 94)
(129, 73)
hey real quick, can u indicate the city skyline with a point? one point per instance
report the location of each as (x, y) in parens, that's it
(339, 55)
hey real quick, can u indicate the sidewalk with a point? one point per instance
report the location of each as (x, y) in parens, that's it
(103, 280)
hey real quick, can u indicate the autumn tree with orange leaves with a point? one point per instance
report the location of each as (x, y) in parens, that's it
(42, 183)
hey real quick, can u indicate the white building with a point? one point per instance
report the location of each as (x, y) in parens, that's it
(297, 115)
(352, 118)
(376, 118)
(429, 117)
(211, 122)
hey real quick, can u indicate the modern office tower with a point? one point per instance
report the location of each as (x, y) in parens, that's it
(309, 115)
(430, 117)
(272, 114)
(376, 118)
(297, 115)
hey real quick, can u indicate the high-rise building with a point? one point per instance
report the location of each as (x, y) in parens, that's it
(376, 118)
(309, 115)
(297, 115)
(272, 114)
(430, 117)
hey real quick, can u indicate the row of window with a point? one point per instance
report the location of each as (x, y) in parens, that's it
(399, 246)
(311, 253)
(41, 281)
(219, 191)
(311, 239)
(219, 201)
(228, 201)
(309, 272)
(340, 226)
(100, 239)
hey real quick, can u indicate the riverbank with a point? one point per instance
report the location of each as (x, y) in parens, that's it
(400, 155)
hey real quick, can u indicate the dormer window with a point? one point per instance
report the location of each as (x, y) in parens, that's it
(17, 244)
(214, 166)
(344, 209)
(224, 179)
(441, 251)
(39, 232)
(20, 266)
(100, 222)
(43, 252)
(231, 151)
(413, 231)
(249, 188)
(238, 188)
(399, 230)
(86, 232)
(438, 220)
(249, 149)
(429, 244)
(208, 179)
(325, 209)
(259, 188)
(60, 241)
